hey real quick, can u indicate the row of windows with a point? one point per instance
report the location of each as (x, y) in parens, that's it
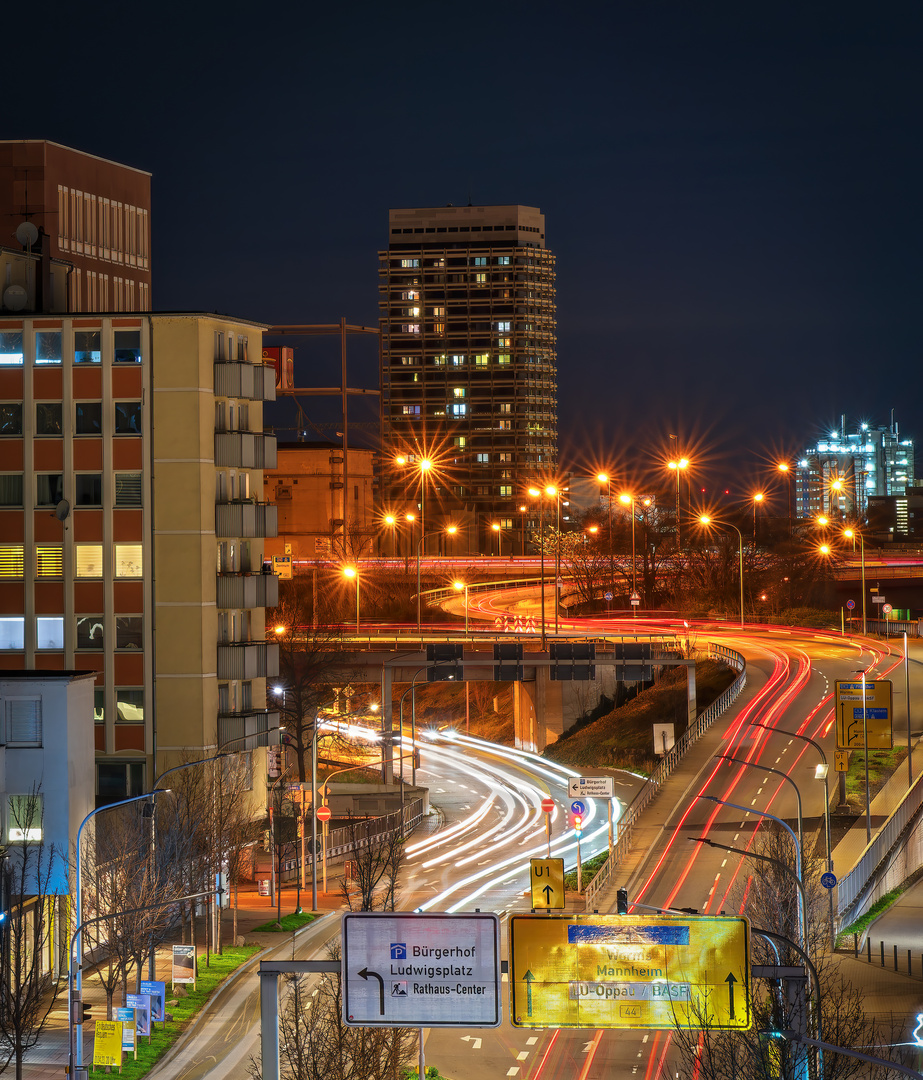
(87, 489)
(101, 227)
(87, 348)
(480, 359)
(88, 560)
(49, 632)
(88, 418)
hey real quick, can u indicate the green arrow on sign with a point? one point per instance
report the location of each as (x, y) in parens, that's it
(528, 978)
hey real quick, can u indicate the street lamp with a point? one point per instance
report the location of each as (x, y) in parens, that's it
(757, 499)
(784, 468)
(391, 521)
(451, 530)
(678, 465)
(836, 486)
(604, 478)
(460, 586)
(538, 493)
(778, 772)
(496, 528)
(706, 520)
(350, 572)
(853, 534)
(865, 738)
(629, 500)
(425, 466)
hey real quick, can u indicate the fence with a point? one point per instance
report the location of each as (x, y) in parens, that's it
(668, 763)
(341, 841)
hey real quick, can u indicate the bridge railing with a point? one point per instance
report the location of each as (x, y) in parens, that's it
(667, 764)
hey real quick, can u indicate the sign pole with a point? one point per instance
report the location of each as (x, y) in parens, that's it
(865, 735)
(610, 828)
(579, 867)
(422, 1062)
(907, 698)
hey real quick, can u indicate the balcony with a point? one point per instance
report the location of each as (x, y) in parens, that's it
(245, 450)
(234, 726)
(248, 660)
(254, 382)
(237, 591)
(246, 519)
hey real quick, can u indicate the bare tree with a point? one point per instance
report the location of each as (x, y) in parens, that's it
(377, 858)
(28, 989)
(315, 1043)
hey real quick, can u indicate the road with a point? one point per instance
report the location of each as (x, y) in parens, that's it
(790, 686)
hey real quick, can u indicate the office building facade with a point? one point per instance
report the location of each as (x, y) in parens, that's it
(469, 363)
(90, 215)
(131, 531)
(839, 474)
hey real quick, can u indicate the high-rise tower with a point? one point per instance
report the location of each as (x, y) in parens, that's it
(469, 377)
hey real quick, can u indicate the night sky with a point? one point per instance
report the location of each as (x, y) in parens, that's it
(732, 190)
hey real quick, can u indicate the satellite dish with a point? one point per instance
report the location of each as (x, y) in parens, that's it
(62, 510)
(26, 234)
(15, 298)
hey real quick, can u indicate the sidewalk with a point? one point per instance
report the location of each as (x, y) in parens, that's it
(48, 1060)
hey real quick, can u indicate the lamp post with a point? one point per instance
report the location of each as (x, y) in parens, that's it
(757, 500)
(836, 486)
(391, 521)
(495, 527)
(865, 739)
(522, 511)
(803, 911)
(350, 572)
(75, 1030)
(786, 471)
(554, 493)
(538, 493)
(854, 534)
(778, 772)
(678, 465)
(604, 478)
(705, 520)
(820, 774)
(425, 466)
(451, 530)
(460, 586)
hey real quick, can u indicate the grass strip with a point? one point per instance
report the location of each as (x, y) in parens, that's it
(289, 923)
(183, 1010)
(864, 921)
(590, 869)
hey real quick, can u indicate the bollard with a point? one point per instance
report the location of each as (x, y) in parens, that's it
(882, 944)
(868, 942)
(855, 946)
(895, 958)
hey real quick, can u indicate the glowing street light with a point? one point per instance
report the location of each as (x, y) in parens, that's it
(853, 534)
(757, 500)
(450, 530)
(785, 469)
(706, 520)
(495, 527)
(604, 478)
(678, 465)
(523, 511)
(551, 492)
(350, 572)
(629, 500)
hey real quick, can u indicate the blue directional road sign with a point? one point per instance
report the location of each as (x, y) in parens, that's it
(578, 808)
(828, 880)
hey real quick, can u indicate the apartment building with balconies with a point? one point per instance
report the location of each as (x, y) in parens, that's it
(469, 363)
(131, 527)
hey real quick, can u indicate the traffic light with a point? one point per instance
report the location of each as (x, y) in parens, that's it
(82, 1012)
(621, 902)
(576, 820)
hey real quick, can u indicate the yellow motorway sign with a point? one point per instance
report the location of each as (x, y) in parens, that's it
(850, 728)
(629, 971)
(547, 879)
(841, 761)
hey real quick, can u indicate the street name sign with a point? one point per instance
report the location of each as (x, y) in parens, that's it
(850, 729)
(421, 970)
(546, 876)
(629, 971)
(593, 787)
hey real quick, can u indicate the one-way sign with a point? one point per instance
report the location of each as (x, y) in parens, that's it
(413, 970)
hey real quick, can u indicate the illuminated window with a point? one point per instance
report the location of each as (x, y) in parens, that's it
(482, 459)
(506, 523)
(505, 407)
(128, 560)
(410, 328)
(410, 410)
(48, 347)
(504, 343)
(89, 632)
(410, 263)
(481, 359)
(49, 560)
(412, 312)
(458, 391)
(99, 705)
(409, 361)
(505, 425)
(504, 457)
(439, 360)
(12, 632)
(410, 294)
(128, 489)
(24, 814)
(49, 632)
(504, 326)
(128, 347)
(439, 312)
(506, 489)
(460, 441)
(11, 560)
(480, 279)
(129, 703)
(10, 347)
(87, 347)
(459, 410)
(11, 418)
(458, 359)
(503, 260)
(503, 358)
(88, 560)
(22, 721)
(480, 260)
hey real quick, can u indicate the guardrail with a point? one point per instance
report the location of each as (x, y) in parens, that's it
(343, 840)
(668, 763)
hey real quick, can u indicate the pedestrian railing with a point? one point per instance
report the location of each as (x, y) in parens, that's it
(665, 767)
(349, 838)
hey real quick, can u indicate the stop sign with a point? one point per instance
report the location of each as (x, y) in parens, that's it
(548, 805)
(323, 813)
